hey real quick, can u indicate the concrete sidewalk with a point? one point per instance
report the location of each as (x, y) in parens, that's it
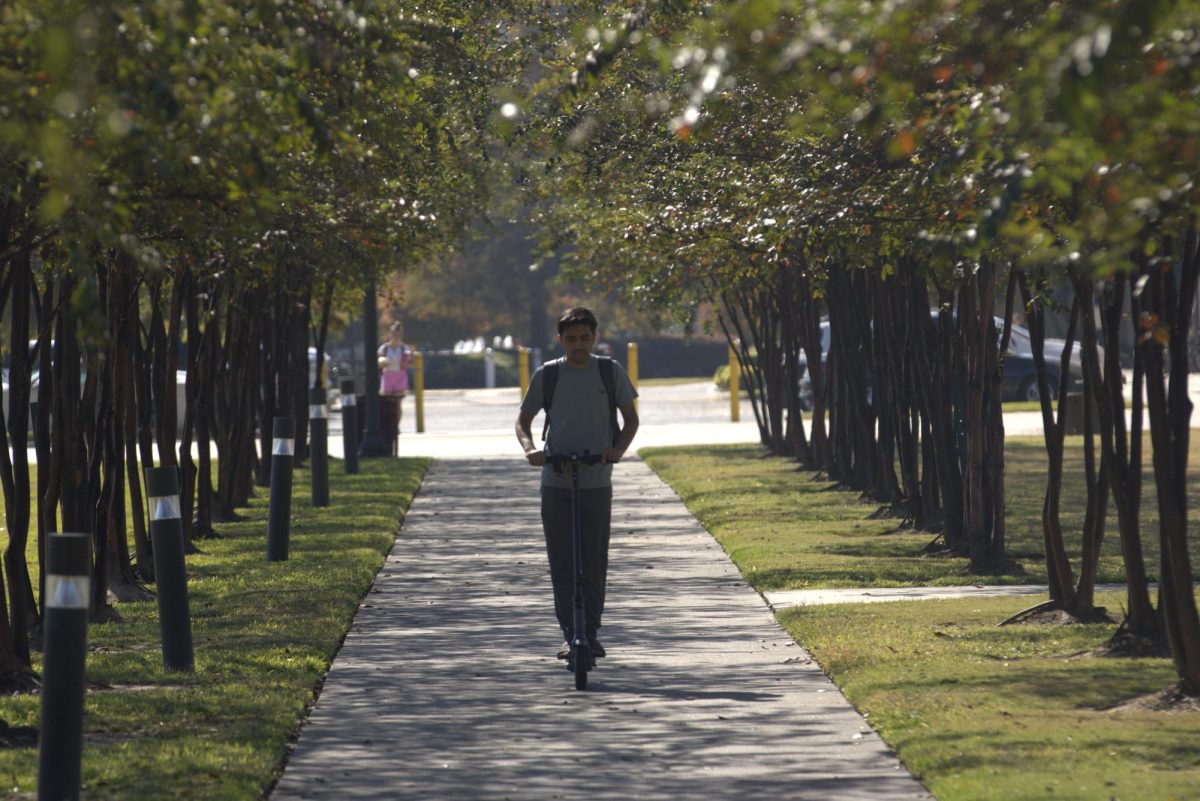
(447, 686)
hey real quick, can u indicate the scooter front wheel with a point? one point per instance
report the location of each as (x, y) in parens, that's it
(580, 657)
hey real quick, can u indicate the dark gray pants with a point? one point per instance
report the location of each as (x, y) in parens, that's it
(595, 513)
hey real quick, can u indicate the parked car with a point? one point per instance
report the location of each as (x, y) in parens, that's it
(1019, 380)
(805, 387)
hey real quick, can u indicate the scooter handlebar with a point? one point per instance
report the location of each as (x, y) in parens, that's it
(559, 459)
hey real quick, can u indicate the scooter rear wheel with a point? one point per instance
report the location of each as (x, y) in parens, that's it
(581, 667)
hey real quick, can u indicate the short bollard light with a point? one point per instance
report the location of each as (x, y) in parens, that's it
(349, 427)
(318, 426)
(65, 620)
(489, 368)
(170, 572)
(279, 516)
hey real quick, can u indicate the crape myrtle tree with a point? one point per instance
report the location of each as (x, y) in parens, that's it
(1096, 133)
(740, 213)
(1028, 145)
(645, 191)
(1091, 143)
(1123, 222)
(924, 172)
(1132, 161)
(182, 183)
(1075, 167)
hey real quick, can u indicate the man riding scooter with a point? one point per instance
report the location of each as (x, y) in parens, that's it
(580, 394)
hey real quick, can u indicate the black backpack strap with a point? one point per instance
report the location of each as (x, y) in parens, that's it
(609, 377)
(549, 380)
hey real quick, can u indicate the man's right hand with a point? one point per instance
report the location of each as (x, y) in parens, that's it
(536, 458)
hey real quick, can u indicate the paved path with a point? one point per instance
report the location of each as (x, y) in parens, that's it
(447, 686)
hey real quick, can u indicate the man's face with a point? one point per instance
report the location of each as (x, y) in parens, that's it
(577, 342)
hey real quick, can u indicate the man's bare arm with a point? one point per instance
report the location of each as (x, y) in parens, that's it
(525, 436)
(630, 417)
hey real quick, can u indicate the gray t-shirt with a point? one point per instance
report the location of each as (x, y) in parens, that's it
(579, 418)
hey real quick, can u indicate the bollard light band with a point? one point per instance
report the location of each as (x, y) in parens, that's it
(317, 411)
(283, 446)
(165, 507)
(67, 592)
(348, 400)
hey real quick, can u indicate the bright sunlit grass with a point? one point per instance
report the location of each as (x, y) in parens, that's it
(976, 711)
(790, 529)
(1020, 712)
(264, 634)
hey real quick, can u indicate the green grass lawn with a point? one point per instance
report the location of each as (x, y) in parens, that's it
(672, 382)
(1013, 713)
(975, 710)
(264, 634)
(1023, 406)
(787, 529)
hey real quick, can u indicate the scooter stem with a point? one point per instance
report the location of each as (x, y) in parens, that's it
(579, 636)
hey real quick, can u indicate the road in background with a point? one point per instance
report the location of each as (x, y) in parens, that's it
(479, 422)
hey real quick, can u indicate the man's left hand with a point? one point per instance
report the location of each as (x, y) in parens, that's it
(612, 455)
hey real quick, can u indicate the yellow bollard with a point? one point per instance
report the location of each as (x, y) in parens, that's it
(523, 369)
(419, 389)
(735, 374)
(632, 367)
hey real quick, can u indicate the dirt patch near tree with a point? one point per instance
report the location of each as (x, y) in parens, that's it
(1123, 645)
(1049, 614)
(1172, 699)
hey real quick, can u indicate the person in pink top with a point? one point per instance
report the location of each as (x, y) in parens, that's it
(395, 357)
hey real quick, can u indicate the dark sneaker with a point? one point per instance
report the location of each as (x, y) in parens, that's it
(564, 650)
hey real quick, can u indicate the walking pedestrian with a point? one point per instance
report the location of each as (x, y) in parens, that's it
(395, 357)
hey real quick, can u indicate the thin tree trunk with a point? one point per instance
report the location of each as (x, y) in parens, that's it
(888, 394)
(976, 327)
(1124, 452)
(48, 457)
(187, 472)
(997, 479)
(1097, 483)
(1058, 568)
(809, 311)
(122, 311)
(1167, 310)
(21, 610)
(208, 354)
(942, 484)
(792, 334)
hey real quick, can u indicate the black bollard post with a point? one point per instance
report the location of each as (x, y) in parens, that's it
(318, 427)
(65, 613)
(279, 517)
(349, 427)
(170, 573)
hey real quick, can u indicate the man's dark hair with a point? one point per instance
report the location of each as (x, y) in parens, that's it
(579, 315)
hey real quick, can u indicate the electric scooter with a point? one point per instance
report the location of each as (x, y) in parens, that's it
(581, 660)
